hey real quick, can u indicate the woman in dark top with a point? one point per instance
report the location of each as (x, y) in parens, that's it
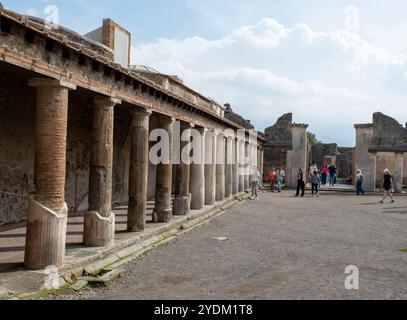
(387, 186)
(300, 183)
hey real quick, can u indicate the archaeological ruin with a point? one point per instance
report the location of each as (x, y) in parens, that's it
(76, 123)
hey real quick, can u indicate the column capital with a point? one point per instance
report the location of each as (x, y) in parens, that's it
(202, 130)
(105, 102)
(141, 112)
(47, 82)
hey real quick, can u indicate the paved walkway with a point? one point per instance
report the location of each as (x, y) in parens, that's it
(280, 247)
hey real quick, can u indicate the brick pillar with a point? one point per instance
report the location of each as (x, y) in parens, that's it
(364, 160)
(220, 168)
(47, 210)
(210, 167)
(163, 209)
(182, 201)
(99, 226)
(197, 182)
(398, 172)
(138, 175)
(228, 167)
(235, 167)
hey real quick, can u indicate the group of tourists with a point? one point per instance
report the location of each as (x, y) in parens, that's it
(274, 176)
(327, 174)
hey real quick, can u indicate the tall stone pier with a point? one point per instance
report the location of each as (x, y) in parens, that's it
(47, 210)
(99, 224)
(299, 152)
(364, 160)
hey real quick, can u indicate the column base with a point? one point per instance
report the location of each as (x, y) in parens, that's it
(162, 216)
(182, 206)
(46, 236)
(98, 231)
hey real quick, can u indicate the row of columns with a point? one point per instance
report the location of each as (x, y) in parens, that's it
(216, 174)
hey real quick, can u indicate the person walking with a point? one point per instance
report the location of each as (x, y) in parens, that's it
(300, 183)
(255, 181)
(280, 179)
(272, 177)
(332, 174)
(315, 181)
(388, 186)
(359, 183)
(324, 174)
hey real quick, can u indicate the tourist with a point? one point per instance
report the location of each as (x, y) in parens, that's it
(332, 174)
(272, 177)
(255, 181)
(315, 181)
(300, 183)
(280, 179)
(324, 174)
(387, 186)
(349, 179)
(359, 183)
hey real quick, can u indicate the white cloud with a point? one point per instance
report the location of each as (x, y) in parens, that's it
(330, 80)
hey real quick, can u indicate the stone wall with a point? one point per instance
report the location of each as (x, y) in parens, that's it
(17, 132)
(17, 115)
(278, 143)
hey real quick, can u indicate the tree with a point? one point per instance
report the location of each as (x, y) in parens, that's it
(312, 138)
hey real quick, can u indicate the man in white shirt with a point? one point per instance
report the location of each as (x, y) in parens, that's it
(280, 178)
(255, 181)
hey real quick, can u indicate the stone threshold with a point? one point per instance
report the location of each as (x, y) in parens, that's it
(82, 262)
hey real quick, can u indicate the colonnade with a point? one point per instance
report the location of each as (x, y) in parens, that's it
(220, 170)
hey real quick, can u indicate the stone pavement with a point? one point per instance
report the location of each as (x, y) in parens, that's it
(79, 260)
(280, 247)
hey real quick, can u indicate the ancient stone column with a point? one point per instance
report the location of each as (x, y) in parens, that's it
(197, 182)
(235, 167)
(47, 210)
(99, 225)
(182, 201)
(299, 154)
(247, 167)
(241, 151)
(210, 167)
(220, 168)
(228, 167)
(163, 208)
(138, 174)
(364, 160)
(398, 172)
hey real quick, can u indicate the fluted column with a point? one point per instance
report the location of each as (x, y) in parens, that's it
(241, 151)
(220, 168)
(228, 167)
(210, 167)
(182, 201)
(47, 210)
(247, 167)
(163, 208)
(99, 224)
(138, 174)
(235, 167)
(197, 182)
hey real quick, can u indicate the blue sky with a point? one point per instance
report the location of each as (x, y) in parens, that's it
(332, 63)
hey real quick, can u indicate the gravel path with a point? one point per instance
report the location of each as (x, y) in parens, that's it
(280, 247)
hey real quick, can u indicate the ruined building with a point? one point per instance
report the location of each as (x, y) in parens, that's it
(75, 125)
